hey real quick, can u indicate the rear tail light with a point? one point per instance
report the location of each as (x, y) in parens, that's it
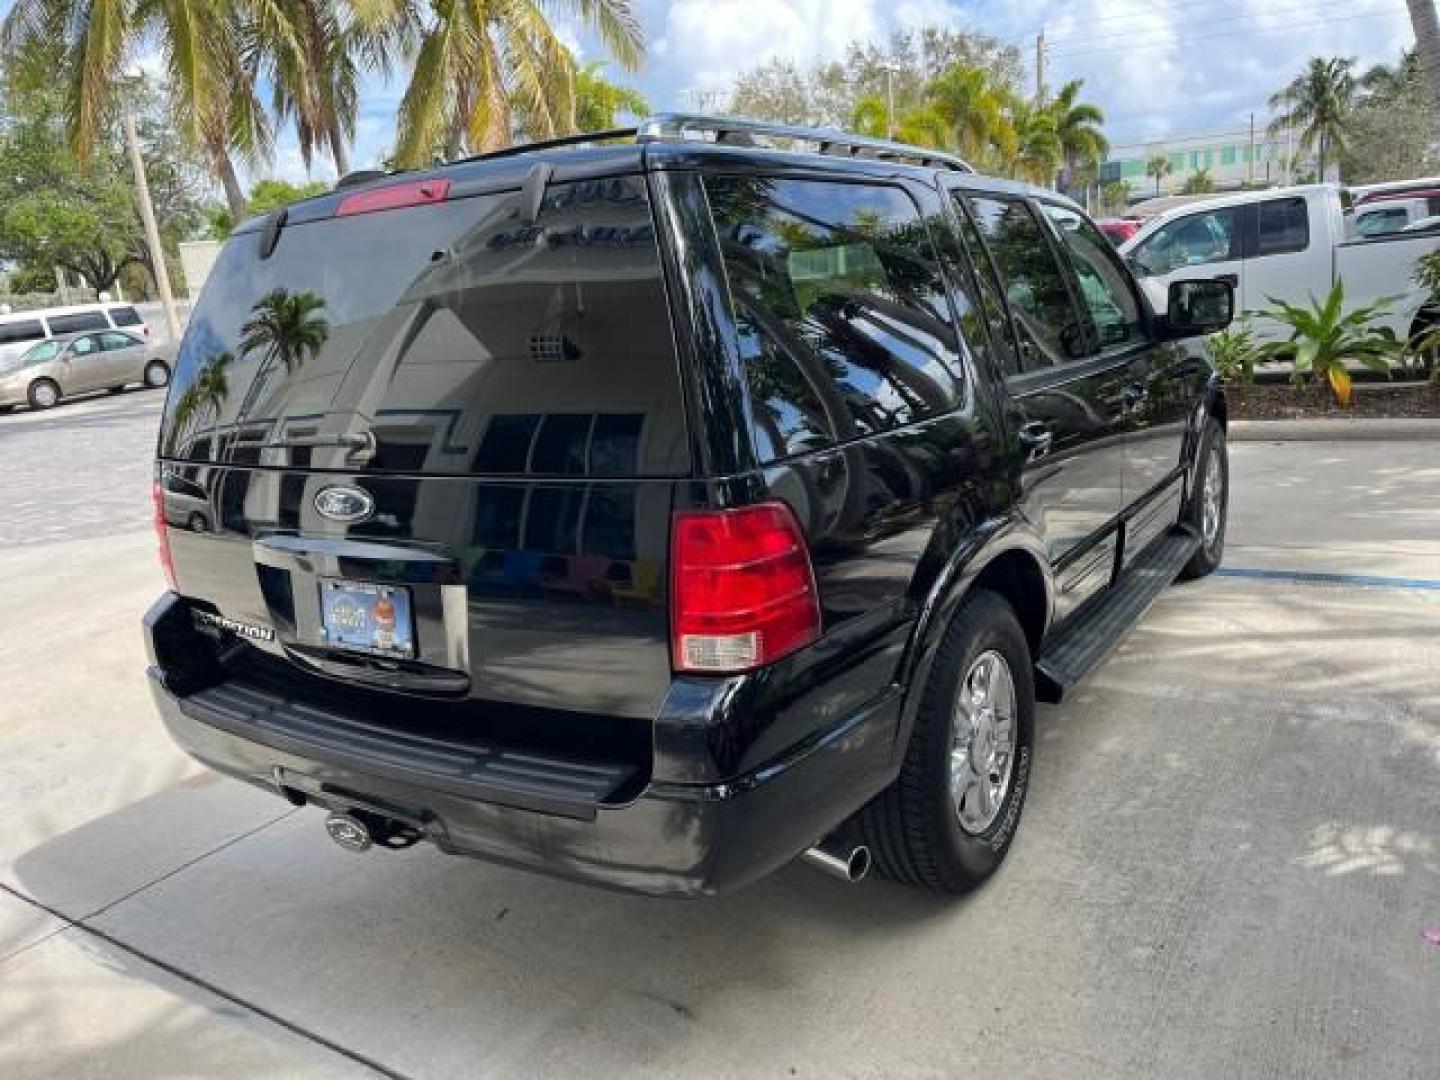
(157, 496)
(394, 197)
(742, 588)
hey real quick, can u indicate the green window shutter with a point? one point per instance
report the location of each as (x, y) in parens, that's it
(1194, 159)
(1227, 155)
(1177, 161)
(1209, 158)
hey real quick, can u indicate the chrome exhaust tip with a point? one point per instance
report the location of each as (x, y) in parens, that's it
(850, 862)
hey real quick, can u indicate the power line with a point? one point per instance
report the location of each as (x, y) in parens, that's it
(1209, 5)
(1133, 45)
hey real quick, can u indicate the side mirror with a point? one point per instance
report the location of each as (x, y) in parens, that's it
(1198, 307)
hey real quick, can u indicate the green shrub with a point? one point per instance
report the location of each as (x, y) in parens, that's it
(1233, 352)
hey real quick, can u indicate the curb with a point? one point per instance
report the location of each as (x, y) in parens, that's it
(1409, 430)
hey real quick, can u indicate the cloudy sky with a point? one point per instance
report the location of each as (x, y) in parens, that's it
(1164, 68)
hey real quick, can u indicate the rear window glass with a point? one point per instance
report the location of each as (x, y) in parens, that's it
(125, 316)
(21, 331)
(462, 338)
(1283, 226)
(844, 327)
(70, 324)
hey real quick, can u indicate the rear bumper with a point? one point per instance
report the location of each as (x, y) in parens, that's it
(673, 839)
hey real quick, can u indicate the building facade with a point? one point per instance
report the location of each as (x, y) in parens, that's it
(1231, 159)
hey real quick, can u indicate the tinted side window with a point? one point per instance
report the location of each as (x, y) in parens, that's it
(845, 328)
(125, 316)
(1047, 322)
(85, 320)
(1283, 225)
(1212, 236)
(1002, 344)
(1105, 288)
(117, 341)
(30, 330)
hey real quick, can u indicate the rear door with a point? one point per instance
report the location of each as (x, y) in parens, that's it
(1068, 396)
(437, 446)
(1287, 257)
(124, 358)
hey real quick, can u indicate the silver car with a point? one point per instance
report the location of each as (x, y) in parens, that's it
(65, 366)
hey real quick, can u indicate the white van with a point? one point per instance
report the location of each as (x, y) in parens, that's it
(21, 329)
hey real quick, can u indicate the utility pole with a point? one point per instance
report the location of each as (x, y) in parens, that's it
(1250, 161)
(890, 100)
(147, 218)
(1040, 67)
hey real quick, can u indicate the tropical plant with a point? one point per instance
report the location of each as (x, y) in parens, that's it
(484, 70)
(599, 102)
(311, 53)
(1077, 127)
(1115, 196)
(1200, 182)
(1318, 103)
(1233, 352)
(88, 44)
(1159, 167)
(265, 196)
(1033, 151)
(972, 106)
(1324, 337)
(1425, 345)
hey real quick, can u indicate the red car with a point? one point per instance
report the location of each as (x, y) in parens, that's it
(1118, 230)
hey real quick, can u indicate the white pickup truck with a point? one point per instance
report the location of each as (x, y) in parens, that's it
(1285, 243)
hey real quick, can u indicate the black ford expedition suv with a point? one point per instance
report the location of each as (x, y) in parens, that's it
(652, 512)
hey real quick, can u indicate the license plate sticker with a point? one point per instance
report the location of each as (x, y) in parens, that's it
(368, 618)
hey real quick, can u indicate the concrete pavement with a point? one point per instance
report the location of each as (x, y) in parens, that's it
(1230, 853)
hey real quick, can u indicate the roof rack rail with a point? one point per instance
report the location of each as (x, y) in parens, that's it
(548, 144)
(671, 127)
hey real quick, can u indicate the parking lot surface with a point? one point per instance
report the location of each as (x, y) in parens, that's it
(1227, 866)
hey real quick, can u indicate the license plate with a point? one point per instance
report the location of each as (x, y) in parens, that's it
(367, 618)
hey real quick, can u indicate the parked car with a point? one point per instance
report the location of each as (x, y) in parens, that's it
(1118, 230)
(1384, 216)
(19, 330)
(1424, 224)
(655, 513)
(1283, 244)
(61, 367)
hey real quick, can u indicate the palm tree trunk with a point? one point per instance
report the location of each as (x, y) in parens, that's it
(1427, 47)
(234, 195)
(338, 150)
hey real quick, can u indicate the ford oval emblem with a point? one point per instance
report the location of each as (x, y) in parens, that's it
(344, 503)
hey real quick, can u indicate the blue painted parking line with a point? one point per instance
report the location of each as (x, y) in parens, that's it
(1307, 577)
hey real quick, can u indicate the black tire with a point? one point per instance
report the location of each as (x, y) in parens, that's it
(6, 409)
(197, 523)
(157, 375)
(115, 389)
(1212, 549)
(913, 827)
(37, 400)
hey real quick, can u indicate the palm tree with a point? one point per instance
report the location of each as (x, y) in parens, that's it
(311, 53)
(1318, 102)
(1158, 166)
(1032, 146)
(1386, 83)
(486, 67)
(1427, 45)
(972, 105)
(1077, 127)
(215, 105)
(598, 101)
(212, 386)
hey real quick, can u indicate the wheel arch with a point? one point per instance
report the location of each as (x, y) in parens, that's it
(1011, 562)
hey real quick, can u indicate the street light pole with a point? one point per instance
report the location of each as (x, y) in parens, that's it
(152, 231)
